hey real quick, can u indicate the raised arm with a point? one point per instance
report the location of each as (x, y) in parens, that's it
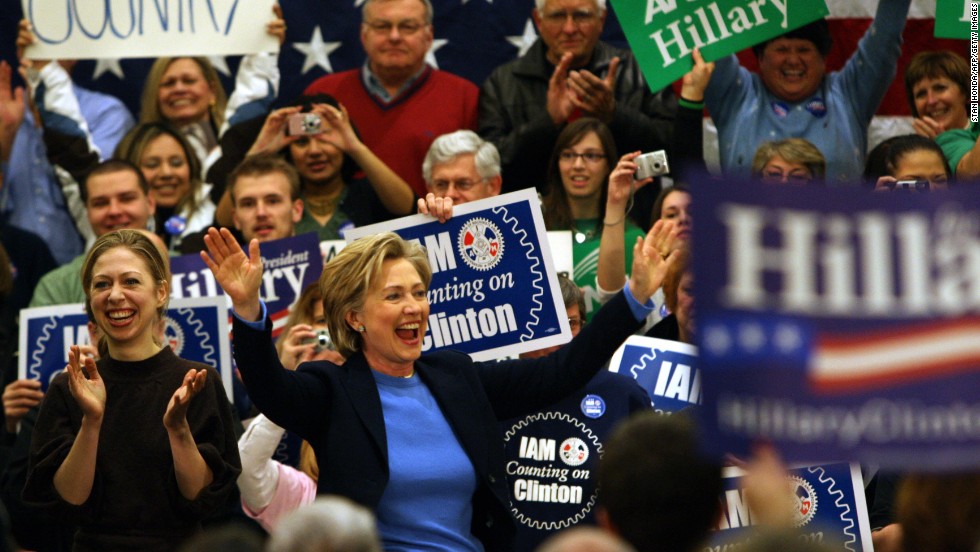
(394, 193)
(238, 274)
(611, 272)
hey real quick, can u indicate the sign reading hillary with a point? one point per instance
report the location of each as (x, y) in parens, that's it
(194, 328)
(289, 265)
(666, 370)
(494, 291)
(841, 323)
(828, 507)
(148, 28)
(663, 33)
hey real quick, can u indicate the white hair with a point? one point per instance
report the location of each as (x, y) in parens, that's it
(539, 5)
(450, 146)
(329, 523)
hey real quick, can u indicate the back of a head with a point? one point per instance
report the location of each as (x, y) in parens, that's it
(330, 524)
(584, 539)
(657, 489)
(939, 512)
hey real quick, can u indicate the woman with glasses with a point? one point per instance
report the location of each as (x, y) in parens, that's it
(577, 198)
(792, 161)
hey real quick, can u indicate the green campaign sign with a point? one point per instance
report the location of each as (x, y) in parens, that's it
(662, 33)
(953, 18)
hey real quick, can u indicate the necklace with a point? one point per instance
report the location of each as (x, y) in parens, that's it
(321, 207)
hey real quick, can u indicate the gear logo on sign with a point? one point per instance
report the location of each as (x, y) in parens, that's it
(173, 335)
(481, 244)
(573, 451)
(805, 501)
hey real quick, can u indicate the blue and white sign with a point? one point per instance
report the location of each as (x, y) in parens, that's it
(840, 323)
(494, 291)
(828, 508)
(82, 30)
(195, 328)
(666, 370)
(290, 264)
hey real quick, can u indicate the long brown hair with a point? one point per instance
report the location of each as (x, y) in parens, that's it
(557, 212)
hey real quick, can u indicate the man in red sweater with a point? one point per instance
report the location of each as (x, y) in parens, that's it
(400, 104)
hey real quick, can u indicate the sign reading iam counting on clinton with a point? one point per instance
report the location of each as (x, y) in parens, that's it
(662, 33)
(193, 328)
(828, 507)
(494, 290)
(666, 370)
(840, 323)
(148, 28)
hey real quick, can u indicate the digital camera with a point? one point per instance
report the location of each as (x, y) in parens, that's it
(912, 185)
(304, 123)
(322, 341)
(651, 164)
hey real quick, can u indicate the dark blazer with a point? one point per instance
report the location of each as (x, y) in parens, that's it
(338, 408)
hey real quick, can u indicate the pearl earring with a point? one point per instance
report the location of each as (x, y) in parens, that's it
(361, 328)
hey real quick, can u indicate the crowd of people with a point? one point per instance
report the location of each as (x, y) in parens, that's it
(134, 448)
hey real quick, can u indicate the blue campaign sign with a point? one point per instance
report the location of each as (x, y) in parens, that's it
(494, 290)
(666, 370)
(290, 264)
(840, 323)
(196, 329)
(828, 507)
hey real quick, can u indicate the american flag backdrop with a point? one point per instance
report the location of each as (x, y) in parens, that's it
(472, 37)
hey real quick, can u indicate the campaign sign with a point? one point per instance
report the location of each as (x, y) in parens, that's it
(840, 323)
(954, 17)
(289, 264)
(494, 291)
(662, 33)
(193, 328)
(828, 508)
(666, 370)
(144, 28)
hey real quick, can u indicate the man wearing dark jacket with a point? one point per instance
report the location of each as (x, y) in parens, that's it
(566, 74)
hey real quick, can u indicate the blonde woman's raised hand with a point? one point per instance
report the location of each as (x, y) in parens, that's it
(175, 418)
(89, 392)
(277, 27)
(652, 256)
(238, 274)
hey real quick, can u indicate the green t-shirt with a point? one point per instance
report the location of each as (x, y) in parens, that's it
(585, 257)
(956, 143)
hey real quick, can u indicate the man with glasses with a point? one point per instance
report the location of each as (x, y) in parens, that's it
(463, 167)
(397, 101)
(568, 73)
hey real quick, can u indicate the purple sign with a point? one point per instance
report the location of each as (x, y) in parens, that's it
(840, 323)
(290, 265)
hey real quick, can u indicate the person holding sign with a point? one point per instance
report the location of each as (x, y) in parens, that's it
(413, 438)
(794, 96)
(567, 73)
(139, 446)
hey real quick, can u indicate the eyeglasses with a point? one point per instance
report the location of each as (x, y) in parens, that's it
(406, 28)
(462, 185)
(777, 177)
(589, 156)
(579, 17)
(575, 324)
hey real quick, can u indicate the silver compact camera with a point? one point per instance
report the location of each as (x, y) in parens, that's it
(304, 123)
(651, 164)
(321, 341)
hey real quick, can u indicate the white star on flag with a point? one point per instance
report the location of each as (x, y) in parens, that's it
(220, 65)
(111, 65)
(524, 41)
(316, 52)
(430, 56)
